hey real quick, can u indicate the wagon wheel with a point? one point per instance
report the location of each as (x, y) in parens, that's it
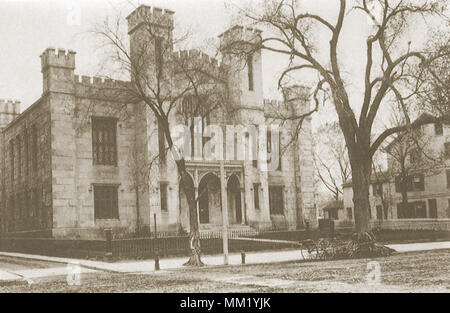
(308, 250)
(325, 249)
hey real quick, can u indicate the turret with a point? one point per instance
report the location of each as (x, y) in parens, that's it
(240, 51)
(151, 39)
(9, 110)
(57, 67)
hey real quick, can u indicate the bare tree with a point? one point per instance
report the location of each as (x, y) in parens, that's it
(331, 159)
(388, 58)
(162, 80)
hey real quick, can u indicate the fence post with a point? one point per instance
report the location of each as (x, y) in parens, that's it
(242, 257)
(156, 245)
(108, 235)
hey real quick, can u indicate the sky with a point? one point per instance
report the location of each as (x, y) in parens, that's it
(28, 27)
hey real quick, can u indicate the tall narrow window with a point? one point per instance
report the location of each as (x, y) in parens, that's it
(162, 145)
(256, 188)
(19, 157)
(432, 208)
(34, 148)
(11, 160)
(163, 195)
(27, 159)
(106, 202)
(448, 178)
(349, 214)
(159, 54)
(274, 149)
(276, 200)
(104, 146)
(250, 71)
(379, 212)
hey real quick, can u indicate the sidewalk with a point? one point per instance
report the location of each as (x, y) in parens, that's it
(215, 260)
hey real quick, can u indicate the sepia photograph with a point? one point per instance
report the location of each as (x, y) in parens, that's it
(226, 155)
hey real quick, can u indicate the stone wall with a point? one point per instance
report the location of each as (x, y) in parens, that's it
(26, 202)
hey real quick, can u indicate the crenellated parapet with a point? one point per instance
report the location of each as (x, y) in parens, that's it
(196, 60)
(100, 87)
(240, 33)
(147, 15)
(60, 58)
(9, 110)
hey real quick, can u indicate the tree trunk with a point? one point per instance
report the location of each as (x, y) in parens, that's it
(194, 234)
(361, 183)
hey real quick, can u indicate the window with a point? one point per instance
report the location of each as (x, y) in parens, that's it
(412, 210)
(385, 211)
(163, 196)
(448, 178)
(27, 158)
(447, 150)
(432, 208)
(276, 200)
(421, 209)
(256, 188)
(104, 148)
(162, 145)
(250, 72)
(448, 209)
(379, 212)
(438, 129)
(159, 54)
(106, 202)
(11, 159)
(418, 182)
(34, 148)
(377, 189)
(413, 183)
(19, 156)
(276, 148)
(349, 214)
(370, 212)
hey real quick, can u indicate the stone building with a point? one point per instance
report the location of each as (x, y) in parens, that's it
(82, 158)
(428, 190)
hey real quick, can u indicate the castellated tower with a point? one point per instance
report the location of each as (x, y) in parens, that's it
(9, 110)
(240, 54)
(297, 98)
(57, 67)
(151, 42)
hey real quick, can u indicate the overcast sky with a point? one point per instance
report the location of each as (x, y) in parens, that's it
(28, 27)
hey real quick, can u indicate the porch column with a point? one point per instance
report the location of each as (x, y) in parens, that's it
(243, 209)
(196, 204)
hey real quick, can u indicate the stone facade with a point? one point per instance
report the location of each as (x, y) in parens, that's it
(66, 175)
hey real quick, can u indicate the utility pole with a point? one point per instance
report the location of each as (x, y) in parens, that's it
(224, 212)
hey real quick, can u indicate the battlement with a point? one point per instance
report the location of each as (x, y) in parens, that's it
(273, 103)
(240, 34)
(9, 106)
(151, 16)
(9, 110)
(196, 59)
(97, 81)
(57, 58)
